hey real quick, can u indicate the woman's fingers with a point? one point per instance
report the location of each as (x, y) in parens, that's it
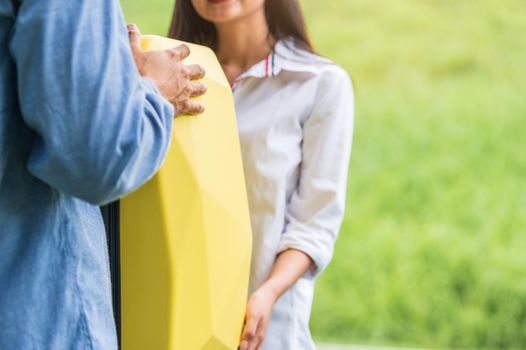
(249, 332)
(251, 326)
(262, 332)
(259, 310)
(243, 345)
(257, 341)
(135, 38)
(250, 338)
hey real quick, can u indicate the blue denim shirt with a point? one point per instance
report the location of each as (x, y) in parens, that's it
(78, 128)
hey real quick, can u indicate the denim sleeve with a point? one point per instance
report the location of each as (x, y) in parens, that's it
(100, 129)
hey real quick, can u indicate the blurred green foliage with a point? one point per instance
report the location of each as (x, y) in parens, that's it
(432, 251)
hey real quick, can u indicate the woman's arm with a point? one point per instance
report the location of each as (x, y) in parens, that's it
(316, 208)
(290, 265)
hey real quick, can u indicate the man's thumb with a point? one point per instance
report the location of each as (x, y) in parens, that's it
(135, 37)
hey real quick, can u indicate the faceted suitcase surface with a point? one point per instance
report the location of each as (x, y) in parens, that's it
(185, 235)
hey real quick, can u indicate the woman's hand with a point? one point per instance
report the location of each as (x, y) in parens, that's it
(259, 310)
(173, 78)
(290, 265)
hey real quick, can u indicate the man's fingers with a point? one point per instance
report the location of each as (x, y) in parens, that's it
(189, 107)
(195, 72)
(197, 89)
(181, 52)
(135, 37)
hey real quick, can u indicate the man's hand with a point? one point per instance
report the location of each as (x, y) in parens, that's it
(174, 79)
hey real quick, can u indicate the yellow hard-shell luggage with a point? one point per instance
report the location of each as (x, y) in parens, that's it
(185, 235)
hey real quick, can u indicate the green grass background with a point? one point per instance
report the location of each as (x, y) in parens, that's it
(432, 251)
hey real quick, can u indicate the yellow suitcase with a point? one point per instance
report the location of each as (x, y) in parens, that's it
(185, 235)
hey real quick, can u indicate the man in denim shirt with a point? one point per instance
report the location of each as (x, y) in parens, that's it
(79, 127)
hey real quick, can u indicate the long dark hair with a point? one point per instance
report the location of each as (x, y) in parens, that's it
(284, 19)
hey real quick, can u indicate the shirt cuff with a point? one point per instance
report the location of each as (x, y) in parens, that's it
(151, 88)
(314, 248)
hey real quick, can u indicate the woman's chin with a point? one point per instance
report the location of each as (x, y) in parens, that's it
(222, 11)
(218, 18)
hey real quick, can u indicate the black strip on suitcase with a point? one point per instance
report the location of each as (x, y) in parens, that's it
(111, 216)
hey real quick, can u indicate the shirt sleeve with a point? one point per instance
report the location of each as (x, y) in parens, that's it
(316, 208)
(100, 129)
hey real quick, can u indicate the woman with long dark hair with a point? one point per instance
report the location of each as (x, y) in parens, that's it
(295, 119)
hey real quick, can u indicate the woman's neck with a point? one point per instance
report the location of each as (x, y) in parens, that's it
(243, 43)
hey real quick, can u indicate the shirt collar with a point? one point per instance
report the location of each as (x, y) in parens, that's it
(285, 56)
